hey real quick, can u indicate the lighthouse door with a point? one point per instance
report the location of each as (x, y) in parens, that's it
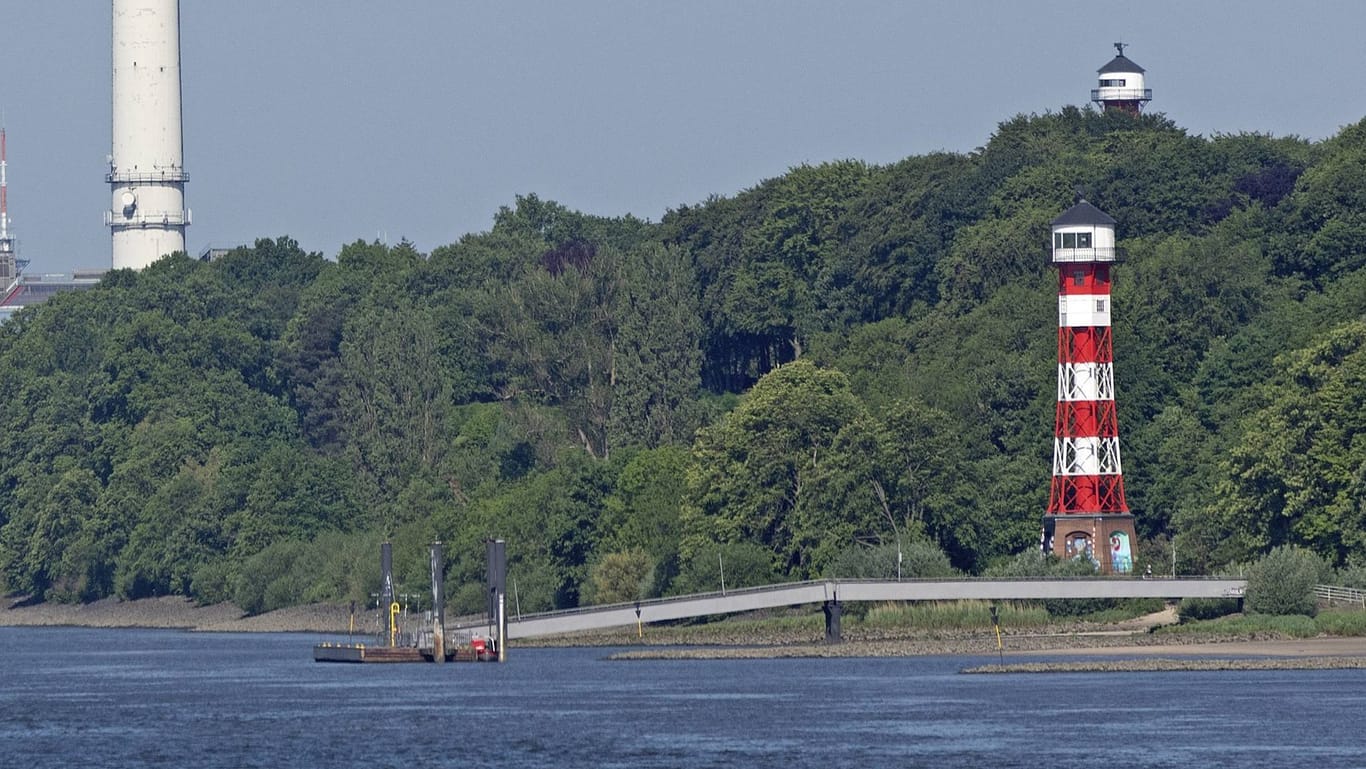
(1079, 545)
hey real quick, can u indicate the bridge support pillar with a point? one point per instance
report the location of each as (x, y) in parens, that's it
(833, 609)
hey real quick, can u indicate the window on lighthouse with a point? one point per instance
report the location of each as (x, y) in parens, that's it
(1079, 277)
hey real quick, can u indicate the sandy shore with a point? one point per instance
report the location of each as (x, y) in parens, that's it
(181, 613)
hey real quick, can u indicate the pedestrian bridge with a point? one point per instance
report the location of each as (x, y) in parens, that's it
(832, 594)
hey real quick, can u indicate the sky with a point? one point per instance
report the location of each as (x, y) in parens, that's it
(332, 121)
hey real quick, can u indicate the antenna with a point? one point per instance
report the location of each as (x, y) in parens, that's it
(4, 197)
(10, 265)
(1120, 47)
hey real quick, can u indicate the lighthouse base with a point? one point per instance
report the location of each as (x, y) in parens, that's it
(1106, 539)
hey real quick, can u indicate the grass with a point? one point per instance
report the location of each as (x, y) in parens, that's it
(1333, 622)
(1249, 625)
(1342, 622)
(953, 615)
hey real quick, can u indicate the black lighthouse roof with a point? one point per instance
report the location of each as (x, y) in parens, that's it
(1120, 63)
(1082, 214)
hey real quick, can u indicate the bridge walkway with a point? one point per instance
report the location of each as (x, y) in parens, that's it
(835, 593)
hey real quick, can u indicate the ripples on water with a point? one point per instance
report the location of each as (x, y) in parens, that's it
(132, 698)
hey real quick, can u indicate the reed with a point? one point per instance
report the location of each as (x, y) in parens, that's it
(1342, 622)
(952, 615)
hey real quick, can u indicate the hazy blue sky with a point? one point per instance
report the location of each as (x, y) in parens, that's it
(335, 120)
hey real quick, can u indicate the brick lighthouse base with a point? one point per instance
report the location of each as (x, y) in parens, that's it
(1108, 539)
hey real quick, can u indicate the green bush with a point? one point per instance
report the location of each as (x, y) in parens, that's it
(1342, 623)
(1127, 609)
(620, 577)
(1196, 609)
(1282, 582)
(469, 598)
(1030, 563)
(744, 564)
(1353, 575)
(919, 560)
(1034, 563)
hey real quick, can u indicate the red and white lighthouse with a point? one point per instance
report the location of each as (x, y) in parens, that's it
(1087, 516)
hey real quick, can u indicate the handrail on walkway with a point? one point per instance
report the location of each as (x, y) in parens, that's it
(1337, 594)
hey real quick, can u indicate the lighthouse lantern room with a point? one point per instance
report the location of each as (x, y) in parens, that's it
(1121, 85)
(1087, 516)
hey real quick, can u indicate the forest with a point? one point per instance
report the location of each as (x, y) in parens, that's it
(841, 364)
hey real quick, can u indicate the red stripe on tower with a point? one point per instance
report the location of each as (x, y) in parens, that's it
(1086, 504)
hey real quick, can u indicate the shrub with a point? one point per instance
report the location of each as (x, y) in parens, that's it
(620, 577)
(1030, 563)
(1127, 609)
(1194, 609)
(1034, 563)
(1353, 574)
(919, 560)
(745, 565)
(1282, 582)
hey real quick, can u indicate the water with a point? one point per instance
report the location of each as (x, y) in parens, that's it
(130, 698)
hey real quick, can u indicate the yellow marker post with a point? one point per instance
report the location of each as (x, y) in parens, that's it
(394, 609)
(996, 623)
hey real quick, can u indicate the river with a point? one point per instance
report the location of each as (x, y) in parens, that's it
(73, 697)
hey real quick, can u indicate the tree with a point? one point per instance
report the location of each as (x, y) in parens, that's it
(620, 577)
(1294, 477)
(394, 399)
(728, 566)
(657, 356)
(752, 470)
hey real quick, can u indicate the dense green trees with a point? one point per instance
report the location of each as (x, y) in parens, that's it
(839, 364)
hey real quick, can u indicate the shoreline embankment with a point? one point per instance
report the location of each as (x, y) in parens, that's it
(1140, 649)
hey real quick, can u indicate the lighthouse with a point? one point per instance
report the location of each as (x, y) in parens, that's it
(146, 176)
(1087, 516)
(1121, 85)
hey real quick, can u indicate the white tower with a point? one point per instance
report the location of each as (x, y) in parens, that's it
(1121, 85)
(146, 163)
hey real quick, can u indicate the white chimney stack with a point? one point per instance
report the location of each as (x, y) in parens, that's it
(146, 163)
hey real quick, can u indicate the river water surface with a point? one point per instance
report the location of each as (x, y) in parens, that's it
(155, 698)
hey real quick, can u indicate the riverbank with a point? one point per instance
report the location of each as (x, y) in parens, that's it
(720, 641)
(1110, 646)
(177, 613)
(1170, 665)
